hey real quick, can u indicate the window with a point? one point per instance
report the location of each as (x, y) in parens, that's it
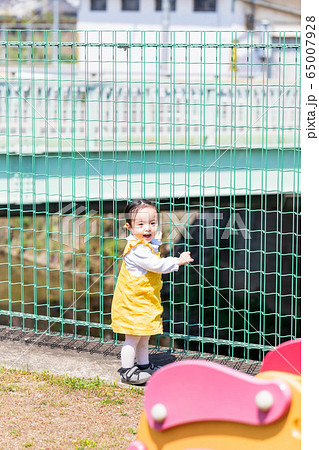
(205, 5)
(98, 5)
(286, 39)
(159, 5)
(130, 5)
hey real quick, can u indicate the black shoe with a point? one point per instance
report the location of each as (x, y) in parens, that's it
(134, 375)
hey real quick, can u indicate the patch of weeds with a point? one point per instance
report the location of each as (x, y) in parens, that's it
(58, 403)
(26, 370)
(74, 383)
(71, 383)
(84, 443)
(137, 390)
(111, 392)
(97, 386)
(132, 430)
(112, 400)
(9, 388)
(15, 432)
(41, 404)
(28, 444)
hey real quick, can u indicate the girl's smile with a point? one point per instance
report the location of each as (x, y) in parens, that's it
(144, 224)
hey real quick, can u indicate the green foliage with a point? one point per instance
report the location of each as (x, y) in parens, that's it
(111, 399)
(84, 443)
(15, 432)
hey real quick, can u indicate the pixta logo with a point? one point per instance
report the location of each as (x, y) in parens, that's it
(74, 228)
(176, 226)
(234, 226)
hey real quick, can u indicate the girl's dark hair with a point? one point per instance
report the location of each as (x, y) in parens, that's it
(135, 206)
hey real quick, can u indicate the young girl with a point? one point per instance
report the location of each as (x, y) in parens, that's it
(136, 306)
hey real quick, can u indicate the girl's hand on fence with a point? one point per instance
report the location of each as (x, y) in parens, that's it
(185, 258)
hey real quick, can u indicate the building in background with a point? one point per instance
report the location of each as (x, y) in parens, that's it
(97, 19)
(281, 15)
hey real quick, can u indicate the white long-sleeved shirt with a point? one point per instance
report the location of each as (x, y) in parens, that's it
(140, 259)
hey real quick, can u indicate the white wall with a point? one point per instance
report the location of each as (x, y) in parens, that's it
(148, 18)
(229, 14)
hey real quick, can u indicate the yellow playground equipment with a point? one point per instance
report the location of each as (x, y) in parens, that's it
(200, 405)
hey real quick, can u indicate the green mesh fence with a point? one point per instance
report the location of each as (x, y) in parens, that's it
(205, 124)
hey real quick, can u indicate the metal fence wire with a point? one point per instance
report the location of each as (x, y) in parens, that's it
(205, 124)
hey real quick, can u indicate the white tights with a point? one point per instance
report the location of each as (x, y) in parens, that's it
(134, 346)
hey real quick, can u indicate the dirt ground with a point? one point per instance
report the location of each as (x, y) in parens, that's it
(45, 411)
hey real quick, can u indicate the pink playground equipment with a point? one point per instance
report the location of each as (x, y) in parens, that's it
(200, 405)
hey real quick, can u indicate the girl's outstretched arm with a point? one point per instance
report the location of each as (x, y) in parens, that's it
(142, 257)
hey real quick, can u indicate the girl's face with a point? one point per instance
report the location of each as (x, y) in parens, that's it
(144, 223)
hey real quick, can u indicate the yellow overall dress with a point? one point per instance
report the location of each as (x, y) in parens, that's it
(136, 307)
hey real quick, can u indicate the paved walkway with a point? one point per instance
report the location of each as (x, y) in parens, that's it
(80, 358)
(15, 354)
(65, 356)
